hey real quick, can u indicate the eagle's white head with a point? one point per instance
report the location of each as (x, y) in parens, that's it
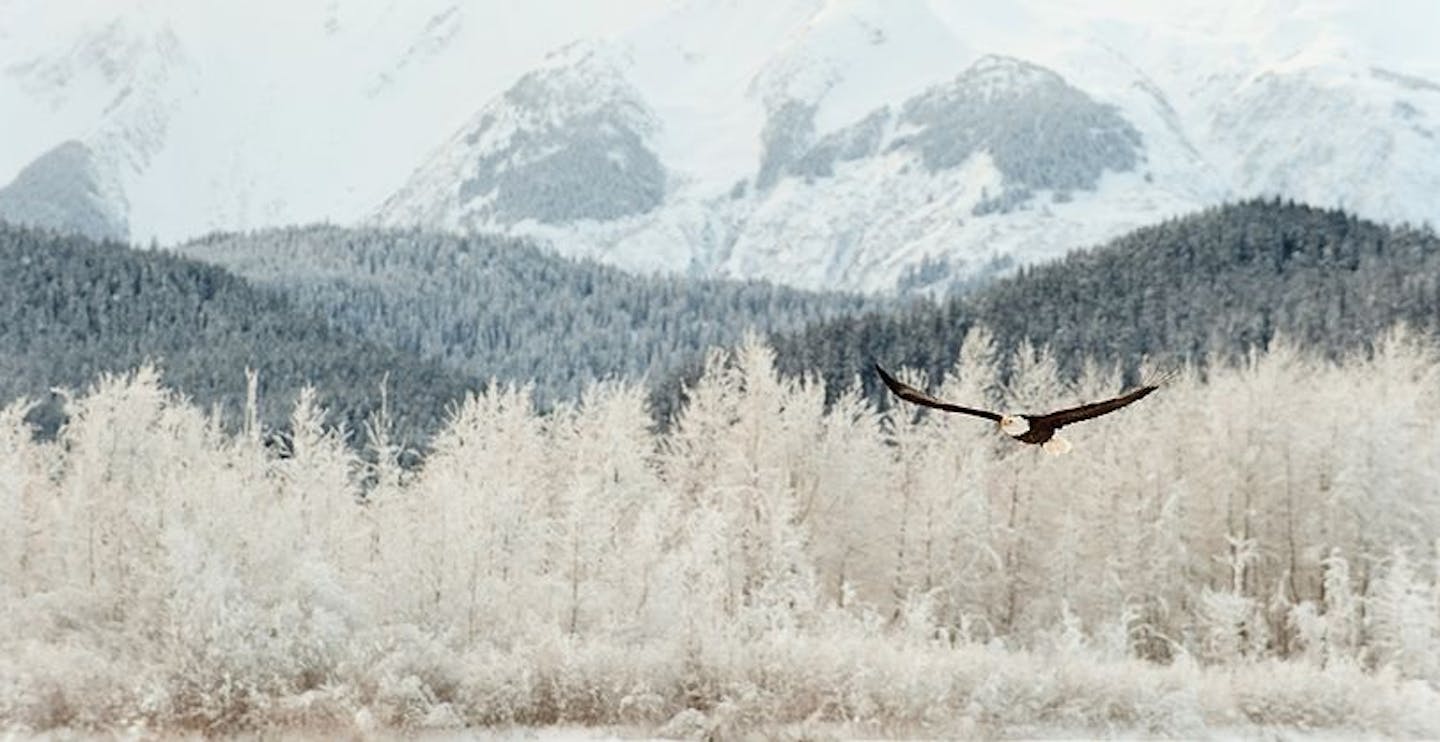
(1014, 425)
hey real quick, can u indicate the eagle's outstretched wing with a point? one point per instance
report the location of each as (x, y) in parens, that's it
(911, 394)
(1061, 418)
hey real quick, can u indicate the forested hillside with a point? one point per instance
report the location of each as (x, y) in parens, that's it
(1213, 285)
(497, 307)
(72, 308)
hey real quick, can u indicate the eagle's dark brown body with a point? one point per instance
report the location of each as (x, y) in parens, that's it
(1037, 433)
(1041, 428)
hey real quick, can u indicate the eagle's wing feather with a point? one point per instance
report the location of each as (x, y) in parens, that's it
(911, 394)
(1061, 418)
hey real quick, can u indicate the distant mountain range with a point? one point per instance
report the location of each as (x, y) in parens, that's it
(853, 144)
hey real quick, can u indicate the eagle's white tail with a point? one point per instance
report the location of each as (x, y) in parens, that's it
(1056, 446)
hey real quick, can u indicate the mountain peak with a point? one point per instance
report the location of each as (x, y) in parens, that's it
(64, 190)
(997, 75)
(567, 142)
(1042, 132)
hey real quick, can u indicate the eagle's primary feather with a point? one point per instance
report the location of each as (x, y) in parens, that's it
(1061, 418)
(913, 395)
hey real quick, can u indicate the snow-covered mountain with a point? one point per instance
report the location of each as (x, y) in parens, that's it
(65, 189)
(224, 116)
(562, 145)
(826, 143)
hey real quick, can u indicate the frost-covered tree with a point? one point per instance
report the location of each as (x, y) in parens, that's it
(769, 556)
(841, 493)
(21, 466)
(605, 540)
(479, 520)
(1329, 629)
(736, 435)
(1403, 627)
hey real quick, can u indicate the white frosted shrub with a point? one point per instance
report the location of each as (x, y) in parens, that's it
(769, 564)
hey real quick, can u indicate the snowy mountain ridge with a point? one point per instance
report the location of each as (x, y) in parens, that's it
(534, 154)
(824, 143)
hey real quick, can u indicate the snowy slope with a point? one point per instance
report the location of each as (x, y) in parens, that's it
(825, 143)
(909, 144)
(568, 142)
(65, 190)
(240, 115)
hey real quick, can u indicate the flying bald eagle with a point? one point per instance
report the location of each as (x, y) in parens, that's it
(1036, 429)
